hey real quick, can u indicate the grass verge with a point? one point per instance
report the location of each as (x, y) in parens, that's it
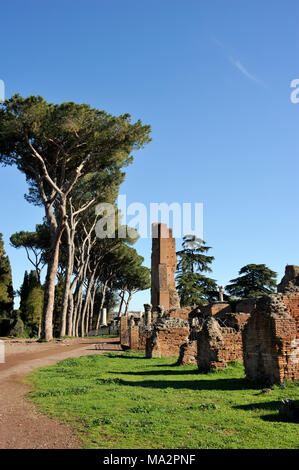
(124, 401)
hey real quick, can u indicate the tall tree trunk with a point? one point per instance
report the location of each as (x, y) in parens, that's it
(87, 299)
(127, 304)
(93, 295)
(87, 317)
(78, 310)
(67, 282)
(121, 302)
(49, 295)
(73, 305)
(102, 303)
(70, 309)
(74, 312)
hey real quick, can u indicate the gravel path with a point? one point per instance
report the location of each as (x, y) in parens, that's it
(21, 425)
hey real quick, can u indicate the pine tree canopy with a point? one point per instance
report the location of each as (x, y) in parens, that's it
(194, 288)
(254, 280)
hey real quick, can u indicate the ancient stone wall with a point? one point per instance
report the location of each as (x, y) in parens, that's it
(188, 353)
(215, 308)
(167, 337)
(134, 337)
(163, 267)
(188, 350)
(290, 279)
(246, 306)
(216, 346)
(233, 320)
(271, 340)
(179, 313)
(124, 332)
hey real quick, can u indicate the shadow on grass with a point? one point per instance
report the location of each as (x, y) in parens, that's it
(267, 406)
(216, 384)
(162, 372)
(123, 356)
(173, 364)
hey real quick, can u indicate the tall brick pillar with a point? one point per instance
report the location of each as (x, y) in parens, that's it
(163, 266)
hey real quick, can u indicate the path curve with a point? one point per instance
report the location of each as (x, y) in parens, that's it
(21, 425)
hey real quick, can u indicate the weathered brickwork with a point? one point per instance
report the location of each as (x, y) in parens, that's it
(179, 313)
(188, 350)
(124, 332)
(271, 340)
(134, 337)
(216, 346)
(167, 337)
(264, 332)
(233, 320)
(163, 267)
(246, 306)
(188, 353)
(215, 309)
(290, 279)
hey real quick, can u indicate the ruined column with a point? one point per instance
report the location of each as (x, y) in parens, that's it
(160, 310)
(147, 315)
(104, 317)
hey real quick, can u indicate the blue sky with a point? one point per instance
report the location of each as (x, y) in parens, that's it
(212, 78)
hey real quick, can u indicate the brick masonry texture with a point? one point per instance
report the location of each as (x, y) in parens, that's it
(263, 332)
(167, 337)
(271, 340)
(290, 279)
(188, 353)
(124, 332)
(216, 346)
(163, 267)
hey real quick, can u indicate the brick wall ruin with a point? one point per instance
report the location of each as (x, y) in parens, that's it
(167, 337)
(188, 350)
(163, 267)
(264, 332)
(271, 340)
(124, 332)
(290, 279)
(217, 345)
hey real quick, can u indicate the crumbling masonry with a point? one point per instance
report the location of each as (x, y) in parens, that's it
(164, 261)
(271, 336)
(263, 333)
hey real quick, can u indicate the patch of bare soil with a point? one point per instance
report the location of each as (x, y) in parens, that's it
(21, 425)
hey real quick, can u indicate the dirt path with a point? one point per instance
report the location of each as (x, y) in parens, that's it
(21, 426)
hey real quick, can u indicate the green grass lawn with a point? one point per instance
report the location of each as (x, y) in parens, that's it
(126, 401)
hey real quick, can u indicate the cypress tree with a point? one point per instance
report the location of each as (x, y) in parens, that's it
(6, 288)
(34, 308)
(31, 302)
(24, 291)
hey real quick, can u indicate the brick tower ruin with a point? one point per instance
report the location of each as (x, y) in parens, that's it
(163, 266)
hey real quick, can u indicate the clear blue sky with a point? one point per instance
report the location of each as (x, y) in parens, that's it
(212, 77)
